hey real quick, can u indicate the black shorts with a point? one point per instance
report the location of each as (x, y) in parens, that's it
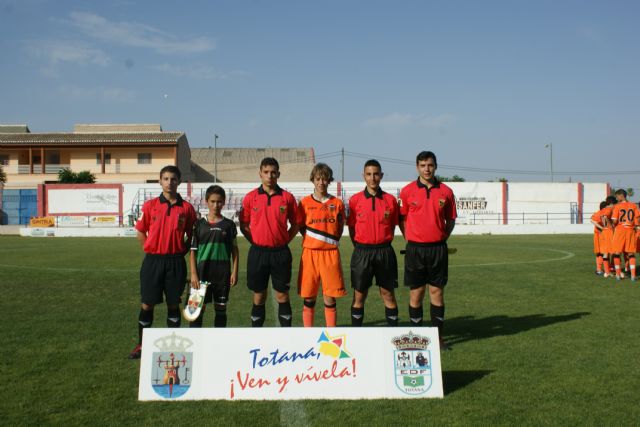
(264, 262)
(217, 293)
(426, 264)
(162, 274)
(369, 261)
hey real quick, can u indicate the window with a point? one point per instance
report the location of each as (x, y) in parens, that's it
(144, 158)
(4, 159)
(52, 157)
(107, 159)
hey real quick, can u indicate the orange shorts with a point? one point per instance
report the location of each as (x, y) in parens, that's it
(624, 240)
(596, 242)
(320, 266)
(606, 241)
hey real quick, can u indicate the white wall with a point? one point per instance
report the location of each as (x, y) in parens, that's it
(554, 199)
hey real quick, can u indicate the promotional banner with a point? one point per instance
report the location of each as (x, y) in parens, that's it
(46, 221)
(83, 200)
(292, 363)
(477, 201)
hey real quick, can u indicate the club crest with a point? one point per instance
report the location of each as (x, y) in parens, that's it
(412, 363)
(441, 201)
(283, 209)
(171, 367)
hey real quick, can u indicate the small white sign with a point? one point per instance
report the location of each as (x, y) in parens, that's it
(284, 364)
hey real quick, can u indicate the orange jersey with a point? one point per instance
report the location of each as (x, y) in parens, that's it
(603, 217)
(627, 215)
(323, 221)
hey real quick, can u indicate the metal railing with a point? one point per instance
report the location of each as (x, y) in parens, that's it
(52, 168)
(520, 218)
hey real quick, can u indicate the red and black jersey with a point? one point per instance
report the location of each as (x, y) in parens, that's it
(166, 225)
(267, 216)
(374, 217)
(426, 211)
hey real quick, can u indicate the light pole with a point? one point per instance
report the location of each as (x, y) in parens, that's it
(215, 158)
(550, 147)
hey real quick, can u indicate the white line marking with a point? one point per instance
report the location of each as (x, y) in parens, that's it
(33, 267)
(566, 256)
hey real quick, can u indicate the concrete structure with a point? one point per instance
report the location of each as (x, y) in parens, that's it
(241, 164)
(117, 153)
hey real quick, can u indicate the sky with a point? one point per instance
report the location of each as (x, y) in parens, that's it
(494, 88)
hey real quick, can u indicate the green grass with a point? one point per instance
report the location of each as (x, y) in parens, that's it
(538, 340)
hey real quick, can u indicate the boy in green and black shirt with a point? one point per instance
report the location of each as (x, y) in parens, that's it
(214, 256)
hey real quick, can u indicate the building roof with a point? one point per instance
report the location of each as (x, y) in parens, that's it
(14, 129)
(98, 138)
(252, 156)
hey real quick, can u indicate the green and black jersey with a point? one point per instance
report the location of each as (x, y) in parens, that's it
(213, 243)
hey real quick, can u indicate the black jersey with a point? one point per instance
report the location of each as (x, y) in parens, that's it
(213, 243)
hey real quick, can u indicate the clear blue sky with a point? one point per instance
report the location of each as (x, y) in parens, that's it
(484, 84)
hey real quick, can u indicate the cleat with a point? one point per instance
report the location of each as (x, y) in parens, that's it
(606, 275)
(136, 352)
(622, 275)
(633, 279)
(598, 273)
(618, 278)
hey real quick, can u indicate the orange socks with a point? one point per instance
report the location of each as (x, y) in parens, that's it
(330, 315)
(599, 263)
(308, 312)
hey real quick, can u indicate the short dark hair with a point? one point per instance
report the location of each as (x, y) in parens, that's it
(172, 169)
(372, 162)
(621, 191)
(611, 200)
(323, 170)
(215, 189)
(269, 161)
(603, 205)
(426, 155)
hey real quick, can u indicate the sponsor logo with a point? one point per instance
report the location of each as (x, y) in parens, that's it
(323, 220)
(46, 221)
(172, 366)
(412, 363)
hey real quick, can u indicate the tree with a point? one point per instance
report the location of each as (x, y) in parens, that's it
(3, 176)
(67, 176)
(454, 178)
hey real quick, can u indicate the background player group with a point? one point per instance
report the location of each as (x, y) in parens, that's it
(616, 234)
(270, 218)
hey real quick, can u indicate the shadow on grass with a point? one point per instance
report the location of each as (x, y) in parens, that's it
(469, 328)
(455, 380)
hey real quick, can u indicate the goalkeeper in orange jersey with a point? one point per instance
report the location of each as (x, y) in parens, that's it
(625, 217)
(321, 219)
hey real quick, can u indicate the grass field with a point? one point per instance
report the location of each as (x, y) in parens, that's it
(538, 340)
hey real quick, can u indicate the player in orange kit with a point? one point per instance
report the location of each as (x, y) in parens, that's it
(605, 235)
(321, 219)
(625, 218)
(598, 227)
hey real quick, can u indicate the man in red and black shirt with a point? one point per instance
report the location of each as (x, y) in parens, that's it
(162, 227)
(373, 216)
(427, 218)
(263, 221)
